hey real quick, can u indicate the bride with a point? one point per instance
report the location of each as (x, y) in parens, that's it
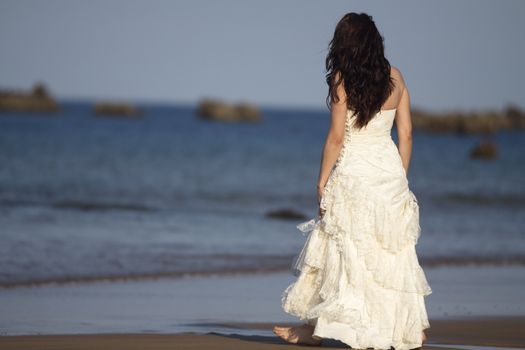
(358, 276)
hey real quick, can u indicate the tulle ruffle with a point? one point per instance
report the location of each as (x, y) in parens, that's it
(358, 269)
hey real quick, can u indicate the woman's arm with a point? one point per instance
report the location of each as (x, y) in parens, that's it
(404, 129)
(334, 139)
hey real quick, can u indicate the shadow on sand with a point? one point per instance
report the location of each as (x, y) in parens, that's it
(327, 343)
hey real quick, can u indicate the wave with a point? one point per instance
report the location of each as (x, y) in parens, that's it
(137, 202)
(482, 199)
(472, 260)
(142, 276)
(253, 265)
(79, 205)
(85, 206)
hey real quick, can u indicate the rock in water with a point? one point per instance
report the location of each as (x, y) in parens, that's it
(286, 214)
(38, 100)
(115, 109)
(473, 122)
(217, 110)
(484, 150)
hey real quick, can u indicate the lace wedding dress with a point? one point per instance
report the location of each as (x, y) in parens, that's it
(358, 276)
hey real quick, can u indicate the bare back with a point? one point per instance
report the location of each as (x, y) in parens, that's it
(399, 85)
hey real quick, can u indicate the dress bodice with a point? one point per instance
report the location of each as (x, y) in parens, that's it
(380, 125)
(372, 140)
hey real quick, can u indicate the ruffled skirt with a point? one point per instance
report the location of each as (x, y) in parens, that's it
(358, 276)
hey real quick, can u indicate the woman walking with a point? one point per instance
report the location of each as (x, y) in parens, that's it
(358, 276)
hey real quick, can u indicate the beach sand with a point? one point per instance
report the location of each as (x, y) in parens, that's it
(449, 334)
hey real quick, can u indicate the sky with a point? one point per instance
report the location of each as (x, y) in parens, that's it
(453, 55)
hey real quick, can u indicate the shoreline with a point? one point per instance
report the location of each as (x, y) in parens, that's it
(430, 263)
(470, 307)
(195, 303)
(476, 333)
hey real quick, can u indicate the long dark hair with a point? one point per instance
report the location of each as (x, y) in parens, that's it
(356, 52)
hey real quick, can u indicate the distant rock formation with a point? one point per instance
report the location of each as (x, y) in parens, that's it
(116, 109)
(484, 122)
(37, 100)
(484, 150)
(217, 110)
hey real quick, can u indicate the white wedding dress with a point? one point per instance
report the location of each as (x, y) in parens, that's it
(358, 276)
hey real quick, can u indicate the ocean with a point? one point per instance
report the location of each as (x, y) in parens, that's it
(85, 197)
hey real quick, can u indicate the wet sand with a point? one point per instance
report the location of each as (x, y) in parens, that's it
(506, 332)
(470, 308)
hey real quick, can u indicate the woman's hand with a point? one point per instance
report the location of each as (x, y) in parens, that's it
(320, 212)
(319, 193)
(319, 197)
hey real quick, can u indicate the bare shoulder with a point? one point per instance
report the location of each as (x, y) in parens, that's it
(398, 77)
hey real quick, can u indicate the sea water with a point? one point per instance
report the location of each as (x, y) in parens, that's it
(84, 196)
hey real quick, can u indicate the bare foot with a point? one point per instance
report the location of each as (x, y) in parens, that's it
(424, 339)
(298, 335)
